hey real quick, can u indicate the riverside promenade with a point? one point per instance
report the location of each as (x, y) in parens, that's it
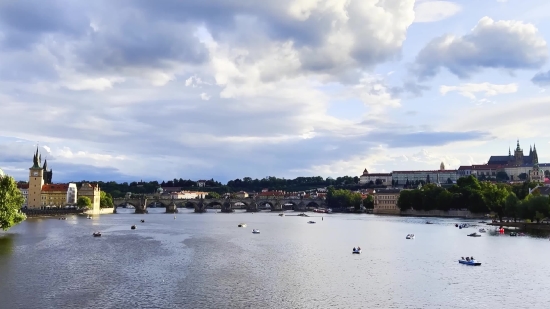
(523, 225)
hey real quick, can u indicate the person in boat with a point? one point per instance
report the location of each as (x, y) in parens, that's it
(467, 259)
(471, 258)
(354, 249)
(358, 248)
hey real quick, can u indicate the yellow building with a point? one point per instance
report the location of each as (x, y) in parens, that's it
(385, 201)
(54, 195)
(92, 192)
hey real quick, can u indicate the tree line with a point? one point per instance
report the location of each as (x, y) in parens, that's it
(117, 190)
(503, 199)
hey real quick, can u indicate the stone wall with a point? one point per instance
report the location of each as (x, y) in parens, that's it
(440, 213)
(382, 211)
(100, 211)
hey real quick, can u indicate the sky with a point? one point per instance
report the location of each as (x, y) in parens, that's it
(154, 90)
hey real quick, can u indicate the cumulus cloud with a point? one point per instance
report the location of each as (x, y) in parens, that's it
(469, 90)
(541, 79)
(432, 11)
(505, 44)
(198, 89)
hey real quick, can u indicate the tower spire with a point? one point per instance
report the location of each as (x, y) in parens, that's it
(517, 147)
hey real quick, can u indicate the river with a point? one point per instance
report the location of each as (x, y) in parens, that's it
(192, 260)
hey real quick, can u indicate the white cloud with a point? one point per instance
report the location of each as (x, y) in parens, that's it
(205, 96)
(470, 90)
(507, 44)
(432, 11)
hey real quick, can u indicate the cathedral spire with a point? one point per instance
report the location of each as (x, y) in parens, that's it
(509, 152)
(517, 147)
(535, 157)
(46, 164)
(36, 159)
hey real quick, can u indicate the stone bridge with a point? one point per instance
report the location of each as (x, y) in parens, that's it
(227, 205)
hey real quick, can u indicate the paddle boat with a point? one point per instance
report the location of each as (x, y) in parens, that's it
(89, 217)
(513, 234)
(470, 262)
(474, 235)
(242, 225)
(97, 234)
(281, 215)
(482, 230)
(311, 222)
(428, 222)
(410, 236)
(133, 227)
(255, 231)
(356, 250)
(142, 221)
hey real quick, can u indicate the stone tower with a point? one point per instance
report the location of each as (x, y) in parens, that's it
(36, 181)
(518, 155)
(442, 167)
(47, 174)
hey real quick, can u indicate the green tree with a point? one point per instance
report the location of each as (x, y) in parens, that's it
(502, 176)
(494, 198)
(105, 200)
(11, 201)
(511, 208)
(84, 202)
(368, 202)
(213, 195)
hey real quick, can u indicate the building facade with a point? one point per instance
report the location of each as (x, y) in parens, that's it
(92, 192)
(385, 201)
(72, 194)
(437, 176)
(54, 195)
(376, 178)
(24, 189)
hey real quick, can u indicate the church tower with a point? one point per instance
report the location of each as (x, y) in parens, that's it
(47, 174)
(518, 155)
(36, 181)
(536, 174)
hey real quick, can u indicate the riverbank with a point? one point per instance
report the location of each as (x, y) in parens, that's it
(464, 214)
(523, 225)
(33, 213)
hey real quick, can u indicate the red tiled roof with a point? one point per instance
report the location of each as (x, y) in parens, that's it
(426, 171)
(379, 174)
(272, 193)
(56, 187)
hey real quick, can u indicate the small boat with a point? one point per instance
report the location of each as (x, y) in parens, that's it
(89, 217)
(482, 230)
(521, 234)
(474, 235)
(133, 227)
(311, 222)
(97, 234)
(482, 221)
(142, 221)
(513, 234)
(357, 251)
(242, 225)
(255, 231)
(410, 236)
(281, 215)
(469, 262)
(428, 222)
(302, 215)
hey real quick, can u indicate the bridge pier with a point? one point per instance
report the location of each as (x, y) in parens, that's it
(172, 208)
(142, 207)
(252, 207)
(200, 207)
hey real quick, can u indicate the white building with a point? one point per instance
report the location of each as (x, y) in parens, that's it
(436, 176)
(383, 178)
(24, 189)
(72, 194)
(186, 195)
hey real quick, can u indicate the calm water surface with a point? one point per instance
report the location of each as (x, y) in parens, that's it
(206, 261)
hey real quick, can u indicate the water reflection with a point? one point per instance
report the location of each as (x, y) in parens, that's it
(206, 261)
(6, 244)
